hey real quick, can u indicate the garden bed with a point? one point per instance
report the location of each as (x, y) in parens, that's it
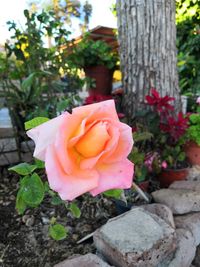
(24, 240)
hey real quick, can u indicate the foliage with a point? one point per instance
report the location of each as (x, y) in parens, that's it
(30, 72)
(138, 155)
(188, 43)
(66, 10)
(92, 53)
(57, 232)
(32, 191)
(114, 193)
(167, 132)
(35, 122)
(193, 132)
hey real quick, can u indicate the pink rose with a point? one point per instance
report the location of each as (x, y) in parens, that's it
(85, 151)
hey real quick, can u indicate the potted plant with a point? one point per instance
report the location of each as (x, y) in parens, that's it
(98, 61)
(168, 131)
(192, 147)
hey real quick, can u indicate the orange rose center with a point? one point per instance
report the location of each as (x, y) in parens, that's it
(93, 142)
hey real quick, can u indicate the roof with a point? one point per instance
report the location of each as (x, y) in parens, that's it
(103, 33)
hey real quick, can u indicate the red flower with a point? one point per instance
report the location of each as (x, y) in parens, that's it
(97, 98)
(175, 127)
(134, 129)
(160, 103)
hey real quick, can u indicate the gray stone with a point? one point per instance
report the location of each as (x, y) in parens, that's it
(88, 260)
(190, 222)
(9, 158)
(191, 185)
(8, 144)
(194, 173)
(6, 132)
(186, 249)
(161, 211)
(28, 156)
(180, 201)
(27, 146)
(136, 238)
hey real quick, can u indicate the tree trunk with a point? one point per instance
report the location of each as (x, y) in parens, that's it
(147, 40)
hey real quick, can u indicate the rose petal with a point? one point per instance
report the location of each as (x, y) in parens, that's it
(110, 146)
(93, 142)
(124, 146)
(114, 176)
(44, 135)
(67, 157)
(68, 186)
(105, 109)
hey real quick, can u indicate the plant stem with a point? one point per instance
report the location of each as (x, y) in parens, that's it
(141, 193)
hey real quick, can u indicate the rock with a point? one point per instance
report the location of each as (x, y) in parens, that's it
(190, 222)
(88, 260)
(75, 237)
(180, 201)
(161, 211)
(45, 220)
(28, 220)
(27, 146)
(194, 173)
(8, 144)
(185, 249)
(135, 238)
(27, 157)
(9, 158)
(191, 185)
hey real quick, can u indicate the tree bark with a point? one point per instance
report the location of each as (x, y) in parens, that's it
(147, 41)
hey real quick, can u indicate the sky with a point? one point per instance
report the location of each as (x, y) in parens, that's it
(13, 10)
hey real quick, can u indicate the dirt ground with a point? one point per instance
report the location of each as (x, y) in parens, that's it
(24, 240)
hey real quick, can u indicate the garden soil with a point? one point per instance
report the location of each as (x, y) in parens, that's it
(24, 240)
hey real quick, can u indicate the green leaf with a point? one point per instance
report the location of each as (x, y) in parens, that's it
(46, 187)
(75, 210)
(116, 193)
(20, 204)
(142, 175)
(56, 200)
(39, 163)
(57, 232)
(63, 105)
(35, 122)
(32, 190)
(23, 168)
(181, 156)
(26, 13)
(28, 81)
(51, 193)
(144, 136)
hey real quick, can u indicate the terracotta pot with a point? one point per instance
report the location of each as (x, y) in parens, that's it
(192, 151)
(168, 176)
(103, 78)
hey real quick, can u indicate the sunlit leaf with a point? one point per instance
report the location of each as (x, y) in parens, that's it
(58, 232)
